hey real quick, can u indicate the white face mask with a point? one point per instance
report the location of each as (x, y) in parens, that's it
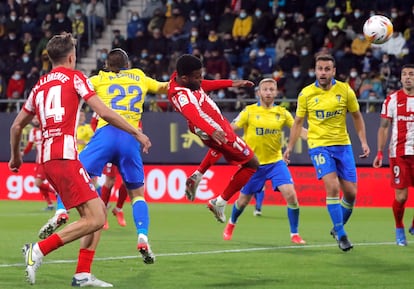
(194, 33)
(334, 33)
(304, 52)
(134, 18)
(353, 74)
(311, 74)
(337, 13)
(193, 18)
(16, 76)
(296, 74)
(12, 18)
(261, 53)
(221, 94)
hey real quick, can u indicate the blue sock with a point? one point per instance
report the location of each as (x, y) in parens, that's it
(335, 212)
(259, 200)
(293, 216)
(235, 213)
(346, 209)
(59, 204)
(141, 215)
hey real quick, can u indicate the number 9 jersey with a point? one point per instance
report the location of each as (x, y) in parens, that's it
(57, 98)
(124, 92)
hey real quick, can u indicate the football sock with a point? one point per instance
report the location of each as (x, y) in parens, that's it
(122, 195)
(235, 213)
(105, 194)
(347, 208)
(239, 179)
(335, 212)
(259, 200)
(398, 210)
(140, 214)
(85, 259)
(46, 187)
(210, 159)
(59, 204)
(293, 217)
(50, 244)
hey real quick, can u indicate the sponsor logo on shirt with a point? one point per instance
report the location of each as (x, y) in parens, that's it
(182, 99)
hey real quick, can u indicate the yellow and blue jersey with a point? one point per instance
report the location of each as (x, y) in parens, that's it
(124, 92)
(326, 111)
(263, 130)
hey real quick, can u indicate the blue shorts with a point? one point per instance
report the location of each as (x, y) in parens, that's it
(112, 145)
(339, 159)
(278, 173)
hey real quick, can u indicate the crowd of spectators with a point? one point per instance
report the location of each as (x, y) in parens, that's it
(236, 39)
(25, 28)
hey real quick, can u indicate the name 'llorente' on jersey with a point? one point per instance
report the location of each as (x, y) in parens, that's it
(58, 97)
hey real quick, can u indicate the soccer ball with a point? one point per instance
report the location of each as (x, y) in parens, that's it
(378, 29)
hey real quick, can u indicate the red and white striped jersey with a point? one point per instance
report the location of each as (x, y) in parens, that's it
(35, 137)
(56, 99)
(399, 108)
(202, 113)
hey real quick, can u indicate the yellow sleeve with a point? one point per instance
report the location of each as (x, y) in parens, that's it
(241, 120)
(353, 104)
(301, 108)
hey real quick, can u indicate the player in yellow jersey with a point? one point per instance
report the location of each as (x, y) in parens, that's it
(263, 124)
(123, 90)
(325, 103)
(84, 132)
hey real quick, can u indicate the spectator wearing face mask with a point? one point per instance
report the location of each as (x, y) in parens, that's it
(135, 25)
(207, 24)
(310, 76)
(101, 59)
(191, 22)
(317, 27)
(294, 82)
(354, 80)
(306, 59)
(337, 40)
(262, 20)
(337, 19)
(25, 63)
(30, 26)
(61, 23)
(174, 24)
(394, 45)
(15, 86)
(157, 43)
(356, 19)
(242, 28)
(264, 62)
(13, 23)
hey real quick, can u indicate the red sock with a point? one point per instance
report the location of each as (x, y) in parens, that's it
(122, 195)
(210, 159)
(105, 194)
(45, 194)
(85, 259)
(50, 244)
(398, 210)
(239, 179)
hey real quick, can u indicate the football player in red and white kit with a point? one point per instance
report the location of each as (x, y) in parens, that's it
(56, 100)
(35, 138)
(187, 93)
(398, 113)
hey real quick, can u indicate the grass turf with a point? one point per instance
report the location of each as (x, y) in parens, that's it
(192, 254)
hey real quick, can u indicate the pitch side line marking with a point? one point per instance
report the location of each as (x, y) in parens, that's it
(204, 253)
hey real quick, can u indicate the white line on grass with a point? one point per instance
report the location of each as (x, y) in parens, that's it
(205, 253)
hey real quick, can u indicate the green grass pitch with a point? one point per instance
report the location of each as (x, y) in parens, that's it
(192, 254)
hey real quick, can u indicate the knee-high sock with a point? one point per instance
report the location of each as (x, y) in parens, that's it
(293, 217)
(210, 159)
(259, 200)
(239, 179)
(347, 208)
(141, 215)
(122, 195)
(398, 210)
(105, 194)
(50, 244)
(335, 212)
(85, 259)
(235, 213)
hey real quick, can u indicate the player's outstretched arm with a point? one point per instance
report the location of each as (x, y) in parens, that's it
(21, 120)
(116, 120)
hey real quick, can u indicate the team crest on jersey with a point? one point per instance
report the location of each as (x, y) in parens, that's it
(277, 116)
(316, 100)
(257, 117)
(338, 97)
(182, 99)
